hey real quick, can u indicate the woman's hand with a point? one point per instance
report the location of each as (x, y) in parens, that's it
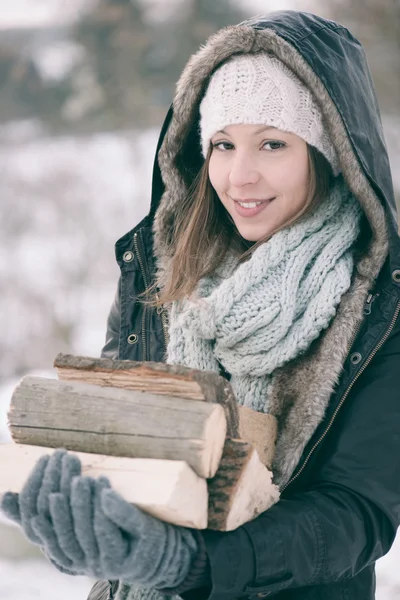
(86, 528)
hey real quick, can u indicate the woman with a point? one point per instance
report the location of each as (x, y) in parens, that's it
(272, 245)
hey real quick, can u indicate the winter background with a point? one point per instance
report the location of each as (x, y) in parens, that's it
(84, 85)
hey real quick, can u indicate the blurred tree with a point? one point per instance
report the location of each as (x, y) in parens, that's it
(130, 63)
(116, 40)
(134, 63)
(24, 93)
(377, 25)
(127, 71)
(181, 36)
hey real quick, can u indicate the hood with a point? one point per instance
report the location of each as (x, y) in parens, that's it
(332, 64)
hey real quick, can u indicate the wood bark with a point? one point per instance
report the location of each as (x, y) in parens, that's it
(259, 429)
(242, 488)
(117, 422)
(154, 377)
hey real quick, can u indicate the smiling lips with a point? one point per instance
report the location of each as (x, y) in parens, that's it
(250, 207)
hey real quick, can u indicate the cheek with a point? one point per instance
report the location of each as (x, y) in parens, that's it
(292, 178)
(216, 175)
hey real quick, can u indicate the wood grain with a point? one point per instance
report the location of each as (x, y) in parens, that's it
(155, 377)
(117, 422)
(167, 489)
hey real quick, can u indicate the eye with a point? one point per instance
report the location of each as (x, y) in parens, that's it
(223, 146)
(274, 145)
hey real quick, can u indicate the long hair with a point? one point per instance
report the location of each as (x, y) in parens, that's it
(204, 231)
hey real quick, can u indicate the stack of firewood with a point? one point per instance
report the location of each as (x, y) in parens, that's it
(171, 440)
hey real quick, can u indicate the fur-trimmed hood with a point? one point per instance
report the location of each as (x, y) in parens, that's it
(332, 64)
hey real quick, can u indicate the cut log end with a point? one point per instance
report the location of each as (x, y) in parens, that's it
(214, 435)
(241, 489)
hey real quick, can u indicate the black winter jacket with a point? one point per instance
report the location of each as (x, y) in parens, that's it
(340, 509)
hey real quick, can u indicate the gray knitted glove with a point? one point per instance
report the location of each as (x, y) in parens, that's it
(84, 527)
(48, 475)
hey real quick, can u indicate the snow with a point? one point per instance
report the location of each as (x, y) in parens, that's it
(35, 578)
(57, 59)
(41, 13)
(86, 193)
(5, 395)
(387, 574)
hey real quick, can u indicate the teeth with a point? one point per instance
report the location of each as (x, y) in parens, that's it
(249, 204)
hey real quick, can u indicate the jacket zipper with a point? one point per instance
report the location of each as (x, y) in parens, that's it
(346, 393)
(366, 311)
(368, 303)
(144, 345)
(164, 321)
(161, 312)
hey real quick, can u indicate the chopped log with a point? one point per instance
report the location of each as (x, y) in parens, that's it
(154, 377)
(117, 422)
(167, 489)
(242, 488)
(259, 429)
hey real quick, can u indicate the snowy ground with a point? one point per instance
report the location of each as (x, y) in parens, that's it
(35, 579)
(25, 575)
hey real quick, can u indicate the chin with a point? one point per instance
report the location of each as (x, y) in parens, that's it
(252, 236)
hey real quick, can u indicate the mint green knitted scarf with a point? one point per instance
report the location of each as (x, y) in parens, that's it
(255, 317)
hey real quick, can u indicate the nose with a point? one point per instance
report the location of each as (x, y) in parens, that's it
(243, 170)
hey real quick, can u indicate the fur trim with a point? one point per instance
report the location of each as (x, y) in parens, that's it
(302, 389)
(300, 392)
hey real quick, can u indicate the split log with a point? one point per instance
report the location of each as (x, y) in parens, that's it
(117, 422)
(258, 429)
(167, 489)
(242, 488)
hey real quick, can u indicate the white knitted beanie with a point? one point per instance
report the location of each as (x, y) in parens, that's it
(259, 89)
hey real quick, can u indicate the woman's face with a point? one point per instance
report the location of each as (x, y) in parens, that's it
(257, 164)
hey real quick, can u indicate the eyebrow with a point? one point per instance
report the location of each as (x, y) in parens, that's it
(261, 130)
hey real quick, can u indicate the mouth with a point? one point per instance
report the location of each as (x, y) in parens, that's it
(250, 206)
